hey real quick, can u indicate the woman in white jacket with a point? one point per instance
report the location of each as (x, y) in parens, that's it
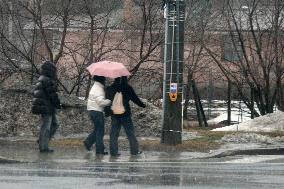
(95, 105)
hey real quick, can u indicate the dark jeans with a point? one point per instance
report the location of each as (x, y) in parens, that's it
(47, 130)
(97, 136)
(126, 122)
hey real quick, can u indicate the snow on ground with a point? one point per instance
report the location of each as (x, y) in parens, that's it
(255, 159)
(239, 111)
(236, 117)
(240, 138)
(268, 123)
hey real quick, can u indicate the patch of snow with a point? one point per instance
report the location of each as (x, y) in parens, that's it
(268, 123)
(239, 112)
(255, 159)
(235, 117)
(251, 138)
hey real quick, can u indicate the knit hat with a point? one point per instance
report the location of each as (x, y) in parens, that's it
(48, 69)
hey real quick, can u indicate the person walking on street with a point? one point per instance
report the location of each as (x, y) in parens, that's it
(95, 105)
(45, 103)
(121, 86)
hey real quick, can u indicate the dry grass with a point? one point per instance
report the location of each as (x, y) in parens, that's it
(209, 140)
(189, 145)
(274, 134)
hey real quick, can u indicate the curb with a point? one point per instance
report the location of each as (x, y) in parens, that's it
(257, 151)
(4, 160)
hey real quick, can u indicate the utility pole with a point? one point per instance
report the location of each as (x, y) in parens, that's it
(173, 72)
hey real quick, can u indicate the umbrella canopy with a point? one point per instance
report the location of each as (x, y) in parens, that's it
(108, 69)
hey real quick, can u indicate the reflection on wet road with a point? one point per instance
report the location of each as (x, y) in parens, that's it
(133, 172)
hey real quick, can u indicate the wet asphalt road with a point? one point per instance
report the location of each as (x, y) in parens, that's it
(157, 170)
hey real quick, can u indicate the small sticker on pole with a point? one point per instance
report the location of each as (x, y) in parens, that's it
(173, 92)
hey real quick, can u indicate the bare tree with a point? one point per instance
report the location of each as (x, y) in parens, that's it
(144, 29)
(70, 33)
(61, 17)
(16, 48)
(100, 18)
(196, 59)
(255, 40)
(28, 27)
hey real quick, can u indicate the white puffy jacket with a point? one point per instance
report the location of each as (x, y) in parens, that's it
(97, 100)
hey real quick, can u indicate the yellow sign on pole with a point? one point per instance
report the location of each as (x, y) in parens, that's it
(173, 92)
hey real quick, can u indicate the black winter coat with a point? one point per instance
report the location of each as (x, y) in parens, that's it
(45, 99)
(128, 94)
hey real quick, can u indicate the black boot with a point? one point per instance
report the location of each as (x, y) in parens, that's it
(46, 150)
(115, 155)
(101, 153)
(87, 146)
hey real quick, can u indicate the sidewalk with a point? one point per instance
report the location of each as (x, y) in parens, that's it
(19, 149)
(25, 150)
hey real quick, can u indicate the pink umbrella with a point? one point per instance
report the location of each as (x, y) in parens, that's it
(108, 69)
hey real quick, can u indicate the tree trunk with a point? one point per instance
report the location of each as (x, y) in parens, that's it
(209, 93)
(252, 103)
(186, 101)
(229, 111)
(78, 89)
(201, 109)
(198, 105)
(91, 55)
(88, 87)
(187, 95)
(280, 96)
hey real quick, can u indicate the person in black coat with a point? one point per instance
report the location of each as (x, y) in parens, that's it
(45, 103)
(121, 85)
